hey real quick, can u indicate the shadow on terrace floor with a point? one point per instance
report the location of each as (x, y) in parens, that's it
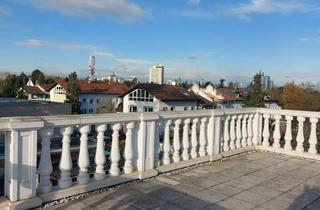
(258, 181)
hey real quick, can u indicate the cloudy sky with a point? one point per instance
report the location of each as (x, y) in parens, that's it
(194, 39)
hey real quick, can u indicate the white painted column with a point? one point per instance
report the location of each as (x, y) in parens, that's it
(166, 143)
(276, 134)
(83, 159)
(128, 151)
(185, 140)
(288, 135)
(300, 135)
(226, 137)
(203, 137)
(176, 141)
(250, 130)
(100, 157)
(232, 132)
(313, 136)
(266, 132)
(194, 138)
(45, 165)
(115, 152)
(239, 136)
(244, 142)
(65, 165)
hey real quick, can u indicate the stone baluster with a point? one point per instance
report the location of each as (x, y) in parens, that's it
(128, 150)
(185, 140)
(166, 143)
(194, 138)
(100, 157)
(65, 164)
(83, 159)
(232, 132)
(266, 132)
(288, 135)
(45, 165)
(250, 130)
(226, 137)
(203, 137)
(115, 152)
(244, 142)
(276, 134)
(313, 136)
(238, 130)
(176, 141)
(300, 135)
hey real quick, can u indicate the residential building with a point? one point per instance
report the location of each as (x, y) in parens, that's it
(155, 97)
(156, 74)
(112, 79)
(92, 96)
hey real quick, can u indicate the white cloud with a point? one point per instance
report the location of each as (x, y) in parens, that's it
(36, 43)
(124, 9)
(3, 11)
(124, 61)
(194, 2)
(245, 10)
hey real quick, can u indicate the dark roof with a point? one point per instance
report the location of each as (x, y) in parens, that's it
(166, 92)
(33, 90)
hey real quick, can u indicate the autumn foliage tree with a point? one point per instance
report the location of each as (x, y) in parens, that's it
(292, 97)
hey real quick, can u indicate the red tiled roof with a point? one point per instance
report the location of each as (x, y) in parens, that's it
(33, 90)
(47, 87)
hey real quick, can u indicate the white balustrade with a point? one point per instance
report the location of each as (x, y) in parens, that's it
(65, 165)
(83, 159)
(238, 130)
(176, 141)
(203, 137)
(288, 135)
(276, 134)
(250, 129)
(100, 157)
(45, 165)
(244, 142)
(300, 135)
(226, 136)
(313, 136)
(266, 132)
(128, 151)
(232, 133)
(185, 139)
(115, 152)
(194, 138)
(166, 143)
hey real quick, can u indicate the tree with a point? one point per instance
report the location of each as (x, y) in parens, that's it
(9, 86)
(38, 76)
(221, 83)
(293, 97)
(73, 92)
(256, 93)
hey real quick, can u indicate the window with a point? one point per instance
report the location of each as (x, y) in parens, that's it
(192, 108)
(59, 90)
(165, 109)
(98, 101)
(83, 111)
(140, 95)
(173, 108)
(186, 108)
(91, 101)
(90, 111)
(132, 109)
(84, 100)
(148, 109)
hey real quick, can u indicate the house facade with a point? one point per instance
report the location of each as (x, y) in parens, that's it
(154, 98)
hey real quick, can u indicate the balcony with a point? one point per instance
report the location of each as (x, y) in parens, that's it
(215, 159)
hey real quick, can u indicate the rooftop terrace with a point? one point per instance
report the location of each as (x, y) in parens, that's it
(251, 181)
(115, 149)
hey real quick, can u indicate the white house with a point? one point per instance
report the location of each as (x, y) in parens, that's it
(154, 97)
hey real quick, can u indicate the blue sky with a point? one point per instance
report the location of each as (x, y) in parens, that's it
(194, 39)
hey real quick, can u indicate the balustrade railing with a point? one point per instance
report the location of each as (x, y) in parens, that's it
(141, 145)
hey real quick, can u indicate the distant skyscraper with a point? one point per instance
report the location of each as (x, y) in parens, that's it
(266, 82)
(92, 64)
(156, 74)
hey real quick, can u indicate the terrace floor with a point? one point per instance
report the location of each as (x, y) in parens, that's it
(257, 181)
